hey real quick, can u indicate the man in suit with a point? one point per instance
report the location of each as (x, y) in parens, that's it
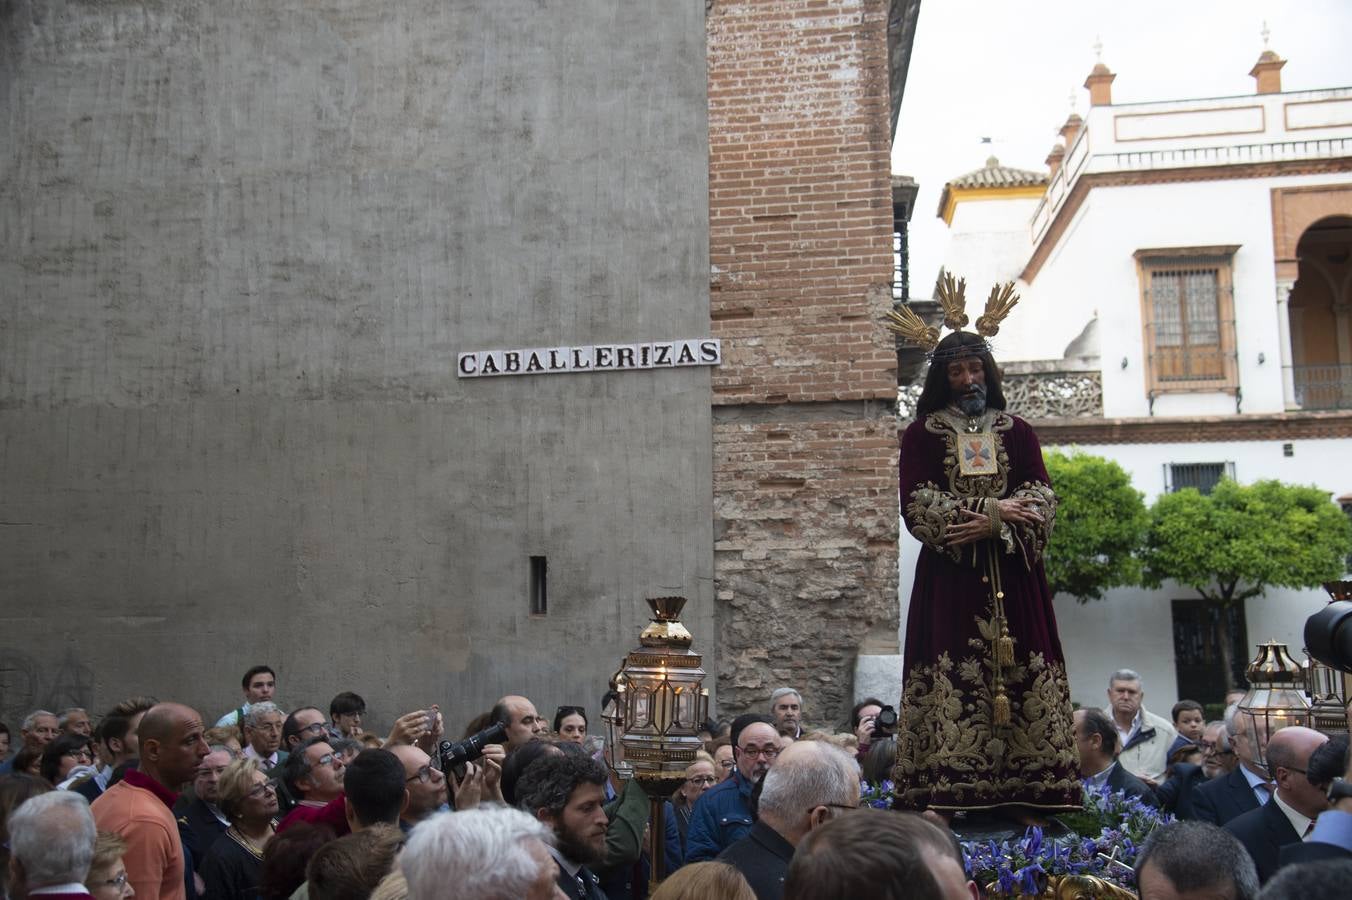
(200, 820)
(1332, 835)
(1246, 787)
(1096, 740)
(812, 783)
(1288, 817)
(51, 846)
(566, 793)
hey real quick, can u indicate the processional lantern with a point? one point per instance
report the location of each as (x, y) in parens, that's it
(661, 705)
(1328, 687)
(1275, 698)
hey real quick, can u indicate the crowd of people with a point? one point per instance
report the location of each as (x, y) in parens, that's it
(151, 800)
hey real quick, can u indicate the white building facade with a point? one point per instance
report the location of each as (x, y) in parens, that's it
(1187, 311)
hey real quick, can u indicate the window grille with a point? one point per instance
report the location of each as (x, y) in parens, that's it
(1203, 476)
(901, 255)
(1187, 307)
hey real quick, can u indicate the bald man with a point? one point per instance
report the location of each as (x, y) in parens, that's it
(523, 722)
(140, 806)
(1289, 814)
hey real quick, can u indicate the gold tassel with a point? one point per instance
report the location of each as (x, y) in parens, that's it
(1001, 710)
(1004, 650)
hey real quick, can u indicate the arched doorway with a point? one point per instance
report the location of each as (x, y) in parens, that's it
(1320, 311)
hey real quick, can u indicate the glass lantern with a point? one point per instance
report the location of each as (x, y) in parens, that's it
(1276, 698)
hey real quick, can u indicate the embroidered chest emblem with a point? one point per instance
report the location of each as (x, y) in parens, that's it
(977, 456)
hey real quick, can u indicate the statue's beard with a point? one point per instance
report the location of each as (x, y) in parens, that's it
(973, 401)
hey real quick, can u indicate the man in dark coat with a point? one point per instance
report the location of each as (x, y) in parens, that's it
(1247, 787)
(811, 783)
(1289, 815)
(565, 792)
(1096, 741)
(200, 820)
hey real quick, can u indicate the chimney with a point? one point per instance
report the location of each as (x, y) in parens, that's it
(1054, 159)
(1072, 127)
(1268, 73)
(1100, 84)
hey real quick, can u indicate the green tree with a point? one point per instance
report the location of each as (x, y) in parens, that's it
(1239, 540)
(1100, 525)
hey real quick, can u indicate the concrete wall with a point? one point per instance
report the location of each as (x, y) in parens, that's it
(240, 247)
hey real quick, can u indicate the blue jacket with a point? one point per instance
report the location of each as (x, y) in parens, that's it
(721, 818)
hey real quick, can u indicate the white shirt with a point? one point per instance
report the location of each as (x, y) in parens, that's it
(268, 763)
(1094, 782)
(73, 887)
(1298, 820)
(1125, 736)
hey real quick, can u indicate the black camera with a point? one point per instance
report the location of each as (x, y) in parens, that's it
(1328, 635)
(885, 722)
(455, 755)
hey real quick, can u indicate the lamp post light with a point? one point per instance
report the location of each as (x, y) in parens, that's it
(664, 703)
(1275, 698)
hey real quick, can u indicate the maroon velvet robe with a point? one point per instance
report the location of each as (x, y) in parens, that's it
(980, 727)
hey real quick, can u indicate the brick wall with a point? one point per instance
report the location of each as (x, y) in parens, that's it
(805, 481)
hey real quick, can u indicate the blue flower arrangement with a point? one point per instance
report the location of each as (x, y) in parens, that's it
(1108, 833)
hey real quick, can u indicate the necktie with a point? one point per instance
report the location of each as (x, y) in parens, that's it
(1309, 830)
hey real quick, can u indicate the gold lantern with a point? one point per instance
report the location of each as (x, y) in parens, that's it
(1328, 687)
(1275, 698)
(665, 704)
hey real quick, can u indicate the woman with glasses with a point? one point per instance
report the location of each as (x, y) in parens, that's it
(68, 759)
(233, 867)
(724, 763)
(700, 775)
(107, 878)
(570, 724)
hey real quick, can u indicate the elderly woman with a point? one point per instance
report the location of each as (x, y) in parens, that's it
(233, 867)
(700, 775)
(107, 878)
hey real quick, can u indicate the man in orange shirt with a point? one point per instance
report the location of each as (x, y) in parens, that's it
(139, 807)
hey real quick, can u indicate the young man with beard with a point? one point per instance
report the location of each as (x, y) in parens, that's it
(985, 714)
(566, 793)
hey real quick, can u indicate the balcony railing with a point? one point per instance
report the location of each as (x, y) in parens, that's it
(1320, 387)
(1046, 394)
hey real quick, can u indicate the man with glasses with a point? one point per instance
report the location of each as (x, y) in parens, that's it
(1288, 816)
(1247, 785)
(425, 784)
(723, 815)
(200, 820)
(811, 783)
(1218, 760)
(304, 724)
(313, 775)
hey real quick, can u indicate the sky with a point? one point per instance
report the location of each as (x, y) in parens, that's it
(1005, 69)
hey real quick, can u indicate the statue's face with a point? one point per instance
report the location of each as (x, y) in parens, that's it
(967, 384)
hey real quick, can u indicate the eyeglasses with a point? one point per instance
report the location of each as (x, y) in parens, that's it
(702, 779)
(327, 759)
(423, 775)
(315, 728)
(266, 726)
(1213, 747)
(118, 882)
(258, 790)
(767, 752)
(726, 763)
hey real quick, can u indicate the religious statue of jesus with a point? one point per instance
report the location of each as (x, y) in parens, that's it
(985, 716)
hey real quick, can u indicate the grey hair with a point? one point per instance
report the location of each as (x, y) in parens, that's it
(62, 719)
(1323, 878)
(1175, 850)
(52, 836)
(1126, 675)
(1224, 733)
(32, 718)
(783, 692)
(258, 710)
(1232, 720)
(484, 852)
(827, 776)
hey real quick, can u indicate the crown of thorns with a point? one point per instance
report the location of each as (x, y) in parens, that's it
(952, 294)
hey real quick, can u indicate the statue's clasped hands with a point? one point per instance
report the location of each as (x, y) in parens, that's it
(976, 526)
